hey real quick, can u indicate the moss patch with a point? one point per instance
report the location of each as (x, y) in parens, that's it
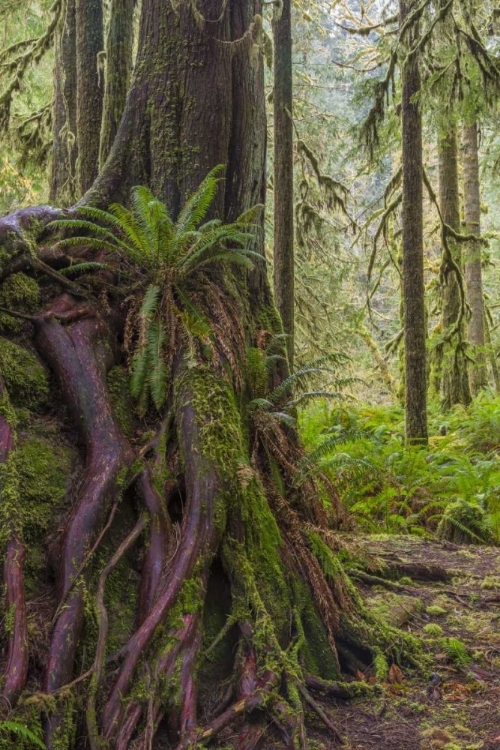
(24, 376)
(21, 293)
(121, 401)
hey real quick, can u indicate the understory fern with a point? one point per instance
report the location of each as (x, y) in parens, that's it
(162, 255)
(24, 737)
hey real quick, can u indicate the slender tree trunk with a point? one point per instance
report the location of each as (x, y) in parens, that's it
(413, 250)
(89, 89)
(455, 383)
(65, 147)
(492, 356)
(478, 374)
(119, 44)
(284, 267)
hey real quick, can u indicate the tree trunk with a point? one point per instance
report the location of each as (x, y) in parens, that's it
(413, 249)
(65, 147)
(454, 384)
(284, 267)
(119, 44)
(89, 89)
(184, 531)
(478, 375)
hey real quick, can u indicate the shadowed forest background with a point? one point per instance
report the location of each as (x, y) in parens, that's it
(249, 374)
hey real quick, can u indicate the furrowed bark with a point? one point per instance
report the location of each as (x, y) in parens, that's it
(119, 43)
(284, 268)
(413, 250)
(65, 147)
(89, 89)
(478, 374)
(455, 384)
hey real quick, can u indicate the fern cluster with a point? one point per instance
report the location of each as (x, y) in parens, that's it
(452, 488)
(162, 256)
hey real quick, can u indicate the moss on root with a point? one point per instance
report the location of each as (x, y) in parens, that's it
(21, 293)
(25, 378)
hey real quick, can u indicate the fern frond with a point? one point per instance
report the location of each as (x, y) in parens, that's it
(150, 302)
(140, 367)
(21, 731)
(87, 267)
(157, 337)
(197, 206)
(140, 248)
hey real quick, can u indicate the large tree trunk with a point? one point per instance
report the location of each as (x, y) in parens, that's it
(119, 45)
(65, 147)
(89, 89)
(413, 248)
(455, 384)
(184, 532)
(284, 266)
(478, 375)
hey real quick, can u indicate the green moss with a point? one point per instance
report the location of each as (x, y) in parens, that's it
(21, 293)
(42, 471)
(257, 375)
(435, 610)
(119, 390)
(433, 630)
(24, 376)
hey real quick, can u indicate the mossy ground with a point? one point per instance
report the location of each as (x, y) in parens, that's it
(461, 712)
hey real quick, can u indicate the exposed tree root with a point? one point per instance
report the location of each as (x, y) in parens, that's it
(244, 506)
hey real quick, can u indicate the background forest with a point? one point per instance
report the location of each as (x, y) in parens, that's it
(217, 475)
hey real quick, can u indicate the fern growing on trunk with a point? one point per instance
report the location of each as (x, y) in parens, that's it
(164, 255)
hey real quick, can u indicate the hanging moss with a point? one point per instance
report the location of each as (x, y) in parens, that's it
(18, 292)
(24, 376)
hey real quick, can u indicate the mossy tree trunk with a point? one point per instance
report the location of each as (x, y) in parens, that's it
(119, 47)
(64, 149)
(89, 89)
(284, 266)
(413, 247)
(478, 375)
(454, 378)
(191, 553)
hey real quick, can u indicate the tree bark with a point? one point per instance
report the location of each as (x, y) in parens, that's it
(413, 250)
(89, 89)
(454, 384)
(478, 374)
(119, 45)
(65, 147)
(284, 266)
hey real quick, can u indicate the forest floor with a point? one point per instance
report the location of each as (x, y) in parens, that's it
(456, 705)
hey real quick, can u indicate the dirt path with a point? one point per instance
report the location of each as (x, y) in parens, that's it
(456, 706)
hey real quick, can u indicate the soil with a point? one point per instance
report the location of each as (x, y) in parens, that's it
(455, 704)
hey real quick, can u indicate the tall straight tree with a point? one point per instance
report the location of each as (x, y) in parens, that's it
(454, 377)
(473, 273)
(413, 248)
(89, 89)
(191, 505)
(119, 45)
(64, 149)
(284, 265)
